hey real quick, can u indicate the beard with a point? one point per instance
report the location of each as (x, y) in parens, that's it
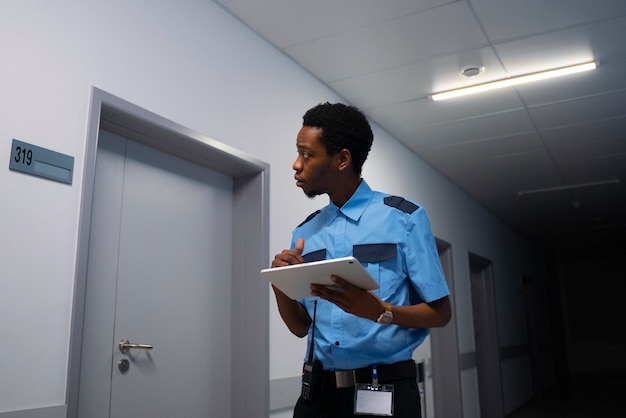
(318, 183)
(312, 194)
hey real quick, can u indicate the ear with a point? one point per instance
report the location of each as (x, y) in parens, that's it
(344, 159)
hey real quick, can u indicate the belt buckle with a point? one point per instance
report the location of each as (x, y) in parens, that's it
(344, 378)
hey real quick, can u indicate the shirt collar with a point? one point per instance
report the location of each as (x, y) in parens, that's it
(360, 199)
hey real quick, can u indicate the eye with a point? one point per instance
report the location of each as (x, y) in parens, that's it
(305, 155)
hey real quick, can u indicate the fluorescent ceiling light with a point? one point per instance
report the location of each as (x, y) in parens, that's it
(513, 81)
(568, 186)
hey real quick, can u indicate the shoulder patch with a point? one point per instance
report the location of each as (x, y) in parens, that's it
(311, 216)
(401, 204)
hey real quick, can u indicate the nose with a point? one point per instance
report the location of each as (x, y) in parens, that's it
(297, 164)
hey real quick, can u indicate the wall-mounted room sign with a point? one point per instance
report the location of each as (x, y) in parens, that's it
(41, 162)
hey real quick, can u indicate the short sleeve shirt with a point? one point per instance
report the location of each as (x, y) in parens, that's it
(393, 240)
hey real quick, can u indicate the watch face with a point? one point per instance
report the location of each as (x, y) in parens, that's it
(386, 318)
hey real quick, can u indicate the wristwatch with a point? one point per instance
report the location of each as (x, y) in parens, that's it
(386, 317)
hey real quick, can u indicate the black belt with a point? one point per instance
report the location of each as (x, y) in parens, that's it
(386, 373)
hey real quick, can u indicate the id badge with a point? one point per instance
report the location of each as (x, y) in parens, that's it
(370, 400)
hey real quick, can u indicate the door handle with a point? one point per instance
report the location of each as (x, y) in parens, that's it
(126, 345)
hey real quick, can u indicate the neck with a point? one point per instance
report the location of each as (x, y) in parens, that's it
(344, 191)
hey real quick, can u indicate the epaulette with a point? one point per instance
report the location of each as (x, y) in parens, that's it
(401, 204)
(311, 216)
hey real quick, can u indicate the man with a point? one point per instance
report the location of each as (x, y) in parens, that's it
(363, 340)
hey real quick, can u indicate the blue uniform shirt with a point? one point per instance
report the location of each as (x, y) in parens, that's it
(392, 238)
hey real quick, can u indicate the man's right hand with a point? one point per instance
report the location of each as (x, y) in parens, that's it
(293, 313)
(289, 257)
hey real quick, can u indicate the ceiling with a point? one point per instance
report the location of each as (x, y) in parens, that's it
(567, 135)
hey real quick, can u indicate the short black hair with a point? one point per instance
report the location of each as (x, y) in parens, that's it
(343, 127)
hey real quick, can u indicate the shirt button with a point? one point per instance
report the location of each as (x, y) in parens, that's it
(336, 342)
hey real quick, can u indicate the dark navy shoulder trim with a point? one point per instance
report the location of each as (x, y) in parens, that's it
(401, 204)
(311, 216)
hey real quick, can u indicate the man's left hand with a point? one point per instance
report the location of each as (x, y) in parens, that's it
(350, 298)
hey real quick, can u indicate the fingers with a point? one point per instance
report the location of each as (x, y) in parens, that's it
(286, 258)
(341, 282)
(300, 246)
(289, 257)
(333, 293)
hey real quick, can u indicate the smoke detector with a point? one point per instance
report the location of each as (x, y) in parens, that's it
(471, 71)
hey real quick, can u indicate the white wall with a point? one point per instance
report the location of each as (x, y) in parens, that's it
(190, 62)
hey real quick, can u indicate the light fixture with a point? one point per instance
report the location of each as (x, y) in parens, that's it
(568, 187)
(513, 81)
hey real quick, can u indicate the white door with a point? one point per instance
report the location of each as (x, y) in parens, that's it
(160, 267)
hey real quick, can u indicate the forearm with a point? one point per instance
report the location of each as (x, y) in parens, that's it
(293, 314)
(423, 315)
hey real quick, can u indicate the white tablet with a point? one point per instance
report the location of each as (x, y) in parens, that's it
(295, 280)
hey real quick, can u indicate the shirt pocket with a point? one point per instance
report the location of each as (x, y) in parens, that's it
(380, 262)
(318, 255)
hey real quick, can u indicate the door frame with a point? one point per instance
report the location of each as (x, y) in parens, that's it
(445, 350)
(531, 330)
(250, 310)
(485, 324)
